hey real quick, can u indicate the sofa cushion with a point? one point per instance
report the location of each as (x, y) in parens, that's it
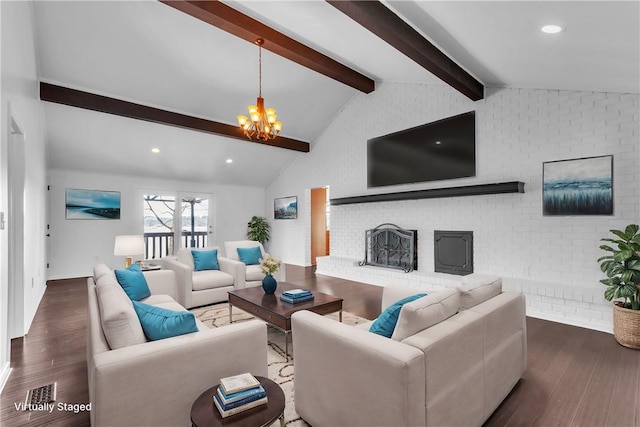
(160, 323)
(385, 323)
(425, 312)
(118, 318)
(157, 299)
(210, 279)
(205, 260)
(253, 273)
(133, 282)
(100, 270)
(250, 256)
(478, 288)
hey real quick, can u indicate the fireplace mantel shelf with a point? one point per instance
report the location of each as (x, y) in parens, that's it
(432, 193)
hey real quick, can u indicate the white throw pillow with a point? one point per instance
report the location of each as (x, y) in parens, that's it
(120, 323)
(478, 288)
(425, 312)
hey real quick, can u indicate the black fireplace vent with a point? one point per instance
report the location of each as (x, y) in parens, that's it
(390, 246)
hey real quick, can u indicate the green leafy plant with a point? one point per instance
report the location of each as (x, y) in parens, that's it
(622, 266)
(258, 229)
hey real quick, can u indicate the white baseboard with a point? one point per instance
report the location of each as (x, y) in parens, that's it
(68, 276)
(4, 375)
(596, 326)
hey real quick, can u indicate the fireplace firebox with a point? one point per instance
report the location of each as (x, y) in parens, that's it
(390, 246)
(453, 252)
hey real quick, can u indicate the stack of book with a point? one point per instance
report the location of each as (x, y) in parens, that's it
(239, 393)
(295, 296)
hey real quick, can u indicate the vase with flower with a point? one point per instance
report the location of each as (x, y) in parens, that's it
(268, 266)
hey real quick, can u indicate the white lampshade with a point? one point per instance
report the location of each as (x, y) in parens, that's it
(128, 246)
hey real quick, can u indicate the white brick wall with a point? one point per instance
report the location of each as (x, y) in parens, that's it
(517, 130)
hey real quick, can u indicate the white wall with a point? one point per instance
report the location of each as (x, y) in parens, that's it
(76, 245)
(20, 101)
(553, 258)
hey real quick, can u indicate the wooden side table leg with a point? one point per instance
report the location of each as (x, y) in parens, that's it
(340, 316)
(230, 314)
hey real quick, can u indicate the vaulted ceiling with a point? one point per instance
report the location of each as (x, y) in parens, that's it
(152, 54)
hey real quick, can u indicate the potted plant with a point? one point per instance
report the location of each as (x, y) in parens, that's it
(258, 229)
(622, 267)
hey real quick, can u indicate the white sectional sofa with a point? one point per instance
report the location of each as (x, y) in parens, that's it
(453, 358)
(133, 382)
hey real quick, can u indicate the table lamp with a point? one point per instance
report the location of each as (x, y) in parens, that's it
(128, 246)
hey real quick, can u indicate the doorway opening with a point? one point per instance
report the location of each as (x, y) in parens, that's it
(320, 223)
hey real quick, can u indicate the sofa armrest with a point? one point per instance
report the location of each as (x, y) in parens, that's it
(347, 376)
(162, 282)
(156, 383)
(235, 268)
(184, 278)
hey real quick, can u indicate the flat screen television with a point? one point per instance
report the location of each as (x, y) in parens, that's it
(445, 149)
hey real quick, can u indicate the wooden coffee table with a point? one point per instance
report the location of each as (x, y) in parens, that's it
(205, 414)
(269, 308)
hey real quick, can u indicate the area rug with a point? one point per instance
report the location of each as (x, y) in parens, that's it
(280, 369)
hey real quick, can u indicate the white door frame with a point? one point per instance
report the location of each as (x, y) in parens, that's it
(15, 221)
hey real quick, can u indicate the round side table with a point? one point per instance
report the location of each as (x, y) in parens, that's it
(205, 414)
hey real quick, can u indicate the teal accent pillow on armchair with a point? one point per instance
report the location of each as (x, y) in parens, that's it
(205, 260)
(133, 282)
(160, 323)
(250, 256)
(386, 322)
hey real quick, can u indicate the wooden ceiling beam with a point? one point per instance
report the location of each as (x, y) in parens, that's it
(104, 104)
(382, 22)
(230, 20)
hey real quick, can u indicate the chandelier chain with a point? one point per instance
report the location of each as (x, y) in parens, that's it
(260, 70)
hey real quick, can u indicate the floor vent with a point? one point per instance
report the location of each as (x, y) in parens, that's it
(41, 395)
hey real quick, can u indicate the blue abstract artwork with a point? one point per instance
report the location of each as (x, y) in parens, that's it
(578, 186)
(92, 204)
(285, 208)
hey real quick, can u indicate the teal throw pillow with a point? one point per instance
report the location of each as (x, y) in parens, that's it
(386, 322)
(159, 323)
(250, 256)
(133, 282)
(205, 260)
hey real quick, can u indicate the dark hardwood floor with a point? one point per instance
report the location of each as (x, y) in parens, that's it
(575, 376)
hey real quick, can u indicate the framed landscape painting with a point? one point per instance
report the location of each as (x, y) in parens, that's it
(578, 186)
(92, 204)
(285, 208)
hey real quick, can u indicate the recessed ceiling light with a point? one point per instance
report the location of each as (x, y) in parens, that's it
(229, 160)
(438, 142)
(551, 29)
(155, 150)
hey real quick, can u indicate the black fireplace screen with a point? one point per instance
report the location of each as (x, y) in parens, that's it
(390, 246)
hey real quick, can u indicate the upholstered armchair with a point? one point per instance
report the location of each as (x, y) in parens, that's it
(206, 284)
(251, 251)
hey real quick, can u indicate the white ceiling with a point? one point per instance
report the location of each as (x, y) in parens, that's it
(150, 53)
